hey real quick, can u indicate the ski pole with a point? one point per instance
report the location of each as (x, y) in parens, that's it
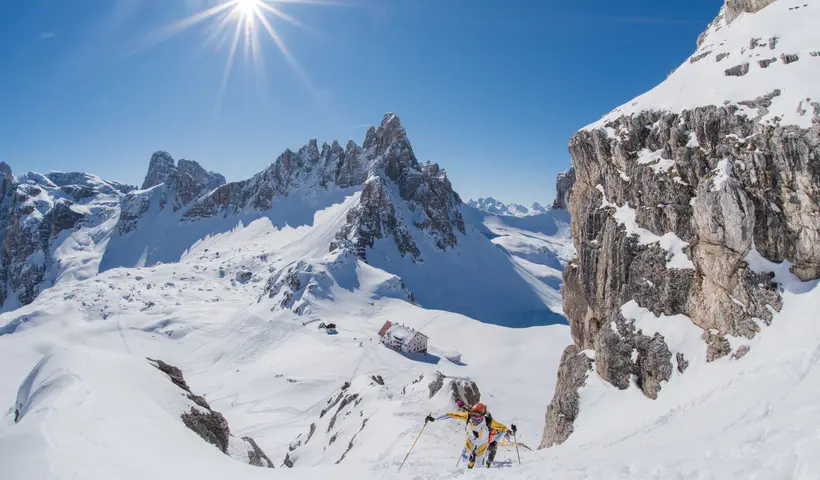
(414, 445)
(515, 438)
(460, 455)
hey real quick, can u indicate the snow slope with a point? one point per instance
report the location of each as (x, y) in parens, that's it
(540, 246)
(771, 35)
(102, 406)
(268, 372)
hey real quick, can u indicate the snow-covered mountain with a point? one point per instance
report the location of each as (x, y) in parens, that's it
(229, 282)
(694, 215)
(383, 208)
(52, 226)
(491, 205)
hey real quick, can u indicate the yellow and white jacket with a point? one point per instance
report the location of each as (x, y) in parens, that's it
(478, 437)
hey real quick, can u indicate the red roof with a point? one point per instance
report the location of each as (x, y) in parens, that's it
(385, 328)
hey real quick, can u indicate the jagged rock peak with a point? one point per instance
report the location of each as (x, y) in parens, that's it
(563, 187)
(34, 210)
(389, 132)
(162, 167)
(5, 169)
(6, 178)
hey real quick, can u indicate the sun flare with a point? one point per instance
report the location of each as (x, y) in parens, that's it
(242, 22)
(247, 7)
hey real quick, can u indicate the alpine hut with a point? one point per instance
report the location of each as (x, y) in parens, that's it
(402, 338)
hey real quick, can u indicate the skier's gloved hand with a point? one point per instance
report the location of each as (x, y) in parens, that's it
(514, 429)
(429, 419)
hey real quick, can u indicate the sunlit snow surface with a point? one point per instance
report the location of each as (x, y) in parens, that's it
(102, 411)
(702, 82)
(268, 370)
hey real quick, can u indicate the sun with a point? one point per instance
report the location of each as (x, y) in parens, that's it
(242, 22)
(247, 8)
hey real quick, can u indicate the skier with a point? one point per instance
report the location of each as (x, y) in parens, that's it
(483, 433)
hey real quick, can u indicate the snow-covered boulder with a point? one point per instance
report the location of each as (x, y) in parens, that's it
(454, 388)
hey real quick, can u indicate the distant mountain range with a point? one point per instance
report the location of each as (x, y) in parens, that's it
(494, 206)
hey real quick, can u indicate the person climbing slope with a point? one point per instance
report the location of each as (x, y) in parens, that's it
(483, 433)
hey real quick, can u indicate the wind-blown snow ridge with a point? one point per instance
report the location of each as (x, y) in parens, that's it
(772, 52)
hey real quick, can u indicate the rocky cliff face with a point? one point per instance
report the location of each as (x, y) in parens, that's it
(667, 208)
(34, 210)
(563, 187)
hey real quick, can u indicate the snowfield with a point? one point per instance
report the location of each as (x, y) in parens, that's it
(269, 370)
(97, 409)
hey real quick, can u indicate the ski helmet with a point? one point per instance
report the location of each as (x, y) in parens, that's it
(478, 409)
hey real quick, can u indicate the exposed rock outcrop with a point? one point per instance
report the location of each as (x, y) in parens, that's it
(211, 425)
(186, 181)
(333, 437)
(297, 286)
(184, 175)
(178, 185)
(563, 189)
(398, 192)
(734, 8)
(462, 389)
(666, 209)
(561, 413)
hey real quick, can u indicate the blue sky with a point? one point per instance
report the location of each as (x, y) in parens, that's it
(490, 89)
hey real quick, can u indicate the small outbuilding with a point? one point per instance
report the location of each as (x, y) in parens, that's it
(330, 328)
(402, 338)
(454, 357)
